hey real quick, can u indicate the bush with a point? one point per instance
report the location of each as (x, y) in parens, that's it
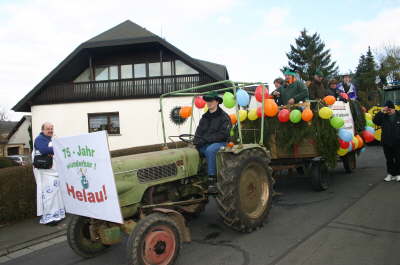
(17, 194)
(7, 162)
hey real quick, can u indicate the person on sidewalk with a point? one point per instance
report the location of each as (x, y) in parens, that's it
(293, 92)
(389, 120)
(50, 204)
(212, 133)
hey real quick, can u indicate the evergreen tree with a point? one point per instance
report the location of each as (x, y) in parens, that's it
(365, 78)
(309, 55)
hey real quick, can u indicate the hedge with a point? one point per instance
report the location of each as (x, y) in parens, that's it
(17, 194)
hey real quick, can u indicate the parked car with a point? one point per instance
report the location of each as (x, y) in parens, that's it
(20, 159)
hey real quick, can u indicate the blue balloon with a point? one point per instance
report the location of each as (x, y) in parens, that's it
(242, 97)
(345, 135)
(362, 149)
(370, 129)
(350, 148)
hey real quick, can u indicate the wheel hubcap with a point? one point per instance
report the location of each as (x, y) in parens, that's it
(159, 246)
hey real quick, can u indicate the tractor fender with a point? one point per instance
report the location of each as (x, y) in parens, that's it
(180, 221)
(237, 149)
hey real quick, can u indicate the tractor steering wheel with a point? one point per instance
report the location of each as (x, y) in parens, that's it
(187, 138)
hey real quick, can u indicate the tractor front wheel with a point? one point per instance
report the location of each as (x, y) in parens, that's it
(78, 235)
(156, 239)
(244, 189)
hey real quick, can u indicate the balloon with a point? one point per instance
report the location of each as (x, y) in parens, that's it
(368, 136)
(205, 109)
(232, 132)
(363, 149)
(370, 123)
(344, 95)
(199, 102)
(233, 118)
(345, 135)
(229, 100)
(325, 113)
(252, 115)
(283, 115)
(342, 152)
(343, 144)
(270, 107)
(242, 97)
(360, 141)
(185, 112)
(242, 115)
(258, 93)
(307, 115)
(295, 116)
(330, 100)
(370, 129)
(350, 146)
(355, 142)
(337, 122)
(259, 112)
(368, 116)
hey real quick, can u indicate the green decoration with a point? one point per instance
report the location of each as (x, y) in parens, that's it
(337, 122)
(370, 123)
(229, 100)
(295, 116)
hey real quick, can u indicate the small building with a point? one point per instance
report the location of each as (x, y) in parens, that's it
(113, 82)
(15, 138)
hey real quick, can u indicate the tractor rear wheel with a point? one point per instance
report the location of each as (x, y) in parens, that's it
(156, 239)
(244, 189)
(78, 235)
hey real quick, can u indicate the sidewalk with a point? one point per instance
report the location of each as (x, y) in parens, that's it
(28, 233)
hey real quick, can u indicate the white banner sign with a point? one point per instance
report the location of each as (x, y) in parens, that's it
(342, 110)
(87, 181)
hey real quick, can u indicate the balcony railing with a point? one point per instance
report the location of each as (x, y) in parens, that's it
(118, 89)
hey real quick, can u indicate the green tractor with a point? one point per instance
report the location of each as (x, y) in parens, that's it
(158, 190)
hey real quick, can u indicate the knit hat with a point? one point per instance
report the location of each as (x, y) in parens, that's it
(288, 72)
(389, 104)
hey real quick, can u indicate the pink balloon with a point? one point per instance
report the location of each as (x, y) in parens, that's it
(258, 93)
(284, 115)
(199, 102)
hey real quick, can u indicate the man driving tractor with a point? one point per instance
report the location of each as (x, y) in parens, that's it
(212, 134)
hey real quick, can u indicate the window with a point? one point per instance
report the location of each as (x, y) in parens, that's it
(154, 69)
(183, 69)
(101, 73)
(104, 121)
(113, 71)
(126, 71)
(167, 69)
(84, 76)
(139, 70)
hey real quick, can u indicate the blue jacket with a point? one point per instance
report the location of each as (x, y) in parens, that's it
(42, 144)
(351, 92)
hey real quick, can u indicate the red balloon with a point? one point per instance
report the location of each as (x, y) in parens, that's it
(344, 95)
(258, 93)
(343, 144)
(199, 102)
(368, 136)
(259, 111)
(284, 115)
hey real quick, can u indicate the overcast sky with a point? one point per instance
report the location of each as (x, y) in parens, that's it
(249, 37)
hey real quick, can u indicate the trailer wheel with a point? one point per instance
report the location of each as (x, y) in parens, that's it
(156, 239)
(349, 162)
(78, 235)
(244, 189)
(319, 176)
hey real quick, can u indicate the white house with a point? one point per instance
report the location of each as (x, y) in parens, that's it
(113, 82)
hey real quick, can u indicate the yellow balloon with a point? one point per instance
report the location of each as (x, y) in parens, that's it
(242, 115)
(342, 152)
(252, 115)
(368, 116)
(325, 113)
(355, 141)
(205, 109)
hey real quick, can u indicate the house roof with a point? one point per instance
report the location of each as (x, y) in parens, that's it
(126, 33)
(18, 124)
(6, 127)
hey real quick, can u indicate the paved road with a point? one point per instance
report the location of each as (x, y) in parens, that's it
(356, 221)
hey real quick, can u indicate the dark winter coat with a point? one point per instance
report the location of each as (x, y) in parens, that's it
(297, 90)
(390, 127)
(213, 128)
(42, 144)
(317, 90)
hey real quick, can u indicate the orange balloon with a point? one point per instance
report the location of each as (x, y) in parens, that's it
(307, 115)
(360, 141)
(270, 107)
(233, 118)
(330, 100)
(185, 112)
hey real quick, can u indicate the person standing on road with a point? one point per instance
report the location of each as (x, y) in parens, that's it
(389, 120)
(50, 204)
(293, 92)
(212, 133)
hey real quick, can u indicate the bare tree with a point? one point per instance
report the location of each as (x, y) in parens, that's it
(388, 58)
(3, 114)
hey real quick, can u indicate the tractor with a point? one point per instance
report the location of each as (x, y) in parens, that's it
(159, 190)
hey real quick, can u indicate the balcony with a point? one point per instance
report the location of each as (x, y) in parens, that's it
(118, 89)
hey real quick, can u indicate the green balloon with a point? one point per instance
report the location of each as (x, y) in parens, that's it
(370, 123)
(337, 122)
(229, 100)
(232, 132)
(295, 116)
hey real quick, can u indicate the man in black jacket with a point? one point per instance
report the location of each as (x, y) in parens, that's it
(212, 134)
(389, 120)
